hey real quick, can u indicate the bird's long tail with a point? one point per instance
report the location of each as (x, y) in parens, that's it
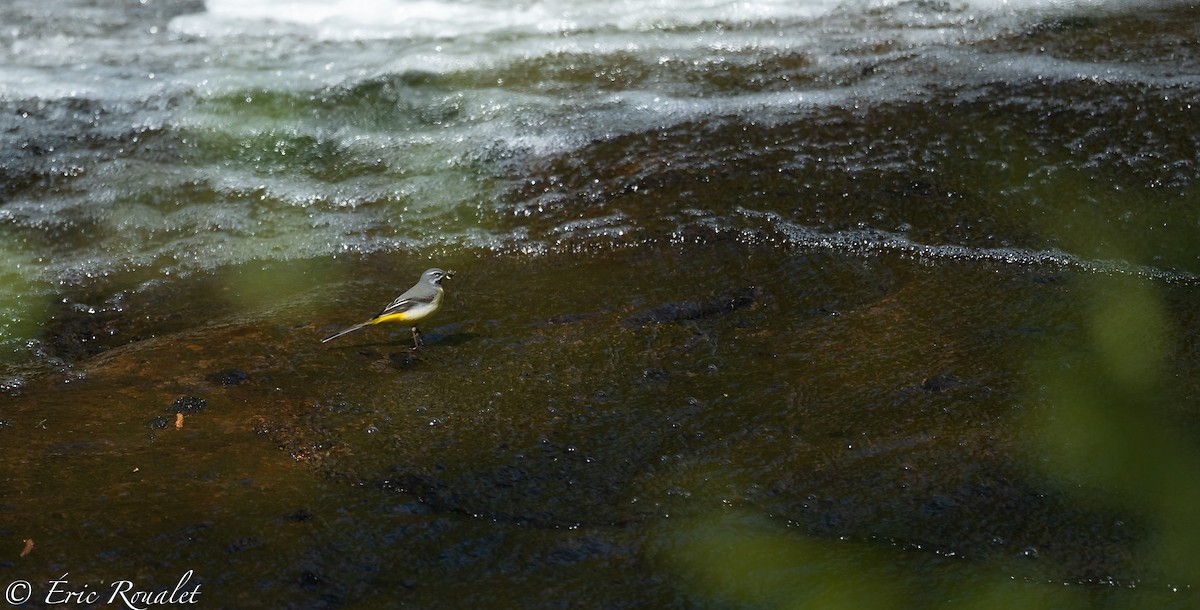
(347, 331)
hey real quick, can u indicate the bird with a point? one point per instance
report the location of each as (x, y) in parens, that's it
(417, 303)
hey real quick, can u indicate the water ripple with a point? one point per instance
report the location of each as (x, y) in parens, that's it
(875, 240)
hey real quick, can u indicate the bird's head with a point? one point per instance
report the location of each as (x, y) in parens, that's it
(435, 276)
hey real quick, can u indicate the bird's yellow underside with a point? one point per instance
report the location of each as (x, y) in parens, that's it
(394, 317)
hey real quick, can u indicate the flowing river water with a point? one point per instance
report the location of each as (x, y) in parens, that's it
(822, 303)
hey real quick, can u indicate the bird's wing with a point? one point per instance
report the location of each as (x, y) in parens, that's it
(406, 302)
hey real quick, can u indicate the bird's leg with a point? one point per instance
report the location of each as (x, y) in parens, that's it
(417, 342)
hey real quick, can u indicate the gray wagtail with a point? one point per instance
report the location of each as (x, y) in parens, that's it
(417, 303)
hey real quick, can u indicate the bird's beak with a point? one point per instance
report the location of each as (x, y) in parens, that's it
(449, 273)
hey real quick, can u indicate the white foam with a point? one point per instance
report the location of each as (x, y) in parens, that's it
(447, 36)
(365, 19)
(373, 19)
